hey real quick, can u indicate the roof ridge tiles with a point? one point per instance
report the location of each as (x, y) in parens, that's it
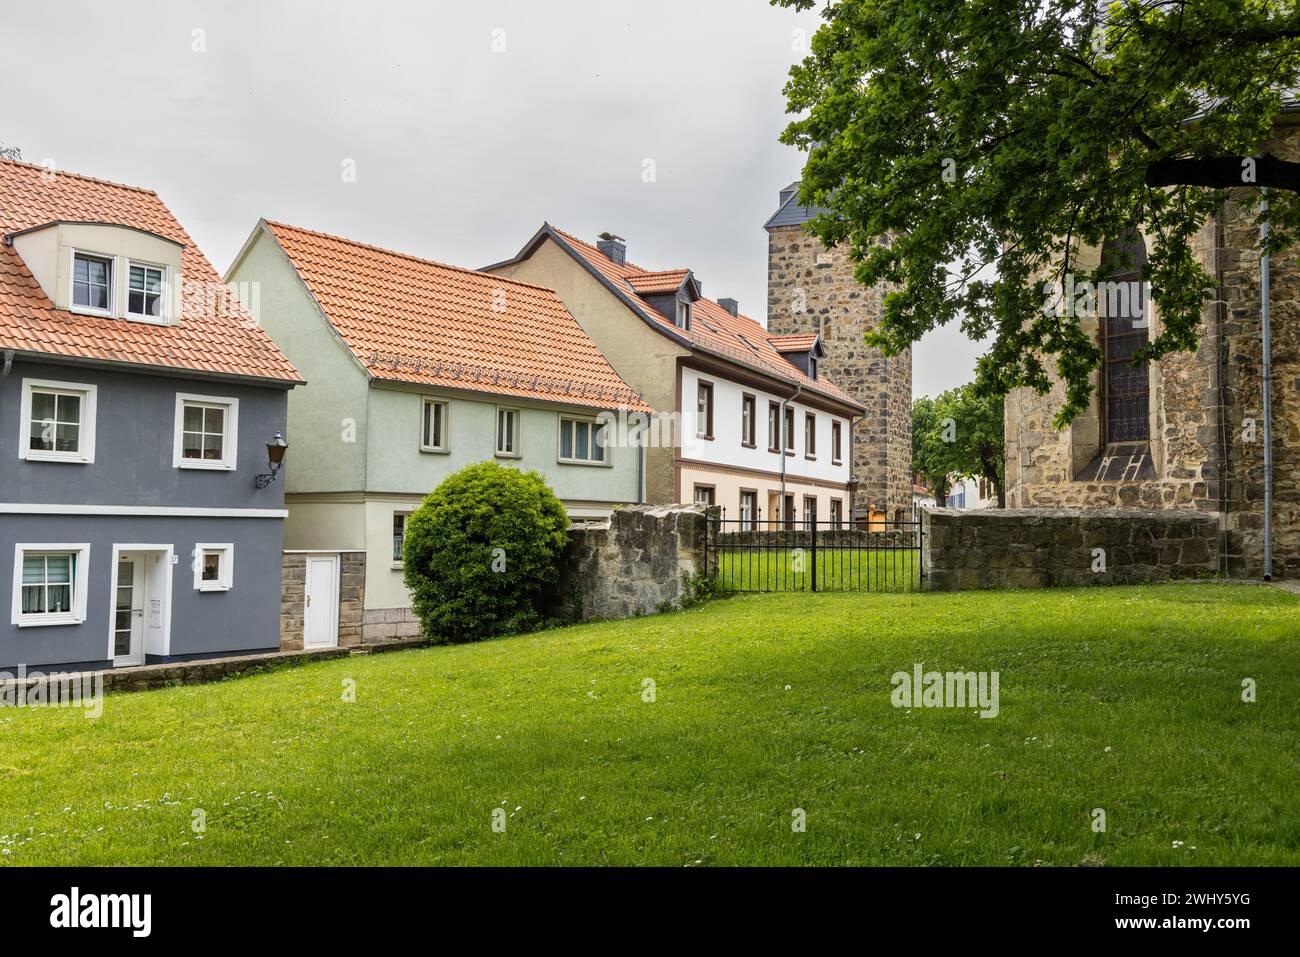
(45, 170)
(437, 264)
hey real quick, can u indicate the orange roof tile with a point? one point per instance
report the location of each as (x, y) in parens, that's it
(739, 339)
(412, 320)
(215, 334)
(658, 283)
(799, 342)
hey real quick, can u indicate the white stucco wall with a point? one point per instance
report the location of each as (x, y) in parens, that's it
(726, 448)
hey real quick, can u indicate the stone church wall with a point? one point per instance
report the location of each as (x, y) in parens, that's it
(1206, 408)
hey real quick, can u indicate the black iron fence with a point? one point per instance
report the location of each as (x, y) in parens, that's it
(747, 555)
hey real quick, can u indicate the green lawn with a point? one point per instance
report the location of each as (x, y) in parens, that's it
(1127, 699)
(762, 569)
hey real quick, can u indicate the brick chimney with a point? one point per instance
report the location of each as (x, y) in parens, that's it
(730, 305)
(614, 247)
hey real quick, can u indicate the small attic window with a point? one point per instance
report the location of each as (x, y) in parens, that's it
(812, 367)
(683, 315)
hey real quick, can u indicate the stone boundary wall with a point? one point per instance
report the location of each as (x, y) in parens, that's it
(636, 563)
(1039, 547)
(352, 595)
(172, 673)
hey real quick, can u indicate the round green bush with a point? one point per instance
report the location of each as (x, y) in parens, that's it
(482, 553)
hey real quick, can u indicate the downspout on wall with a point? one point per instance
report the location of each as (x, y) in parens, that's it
(1266, 385)
(786, 439)
(1220, 364)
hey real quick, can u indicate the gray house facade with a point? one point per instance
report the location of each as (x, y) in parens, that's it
(141, 517)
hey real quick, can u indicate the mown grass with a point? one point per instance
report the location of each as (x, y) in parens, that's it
(1126, 699)
(749, 568)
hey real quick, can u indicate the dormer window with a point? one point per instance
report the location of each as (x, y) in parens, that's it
(812, 367)
(104, 269)
(683, 315)
(146, 293)
(92, 283)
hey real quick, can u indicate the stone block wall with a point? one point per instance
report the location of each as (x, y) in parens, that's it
(635, 563)
(812, 289)
(1040, 547)
(352, 595)
(386, 624)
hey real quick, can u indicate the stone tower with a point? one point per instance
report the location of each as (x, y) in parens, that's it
(812, 289)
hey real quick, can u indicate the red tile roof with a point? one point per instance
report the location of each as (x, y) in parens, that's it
(658, 283)
(412, 320)
(215, 335)
(799, 342)
(738, 339)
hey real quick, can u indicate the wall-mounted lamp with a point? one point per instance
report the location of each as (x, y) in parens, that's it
(275, 450)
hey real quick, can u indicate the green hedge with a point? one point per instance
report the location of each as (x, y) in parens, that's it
(482, 553)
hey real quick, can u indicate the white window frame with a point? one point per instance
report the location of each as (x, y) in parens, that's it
(229, 445)
(111, 311)
(748, 522)
(406, 514)
(85, 454)
(517, 452)
(591, 442)
(164, 316)
(425, 402)
(226, 578)
(77, 615)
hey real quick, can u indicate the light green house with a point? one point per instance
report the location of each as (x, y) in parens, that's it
(415, 369)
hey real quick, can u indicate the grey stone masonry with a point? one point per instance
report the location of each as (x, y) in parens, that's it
(812, 289)
(636, 563)
(387, 624)
(169, 674)
(1041, 547)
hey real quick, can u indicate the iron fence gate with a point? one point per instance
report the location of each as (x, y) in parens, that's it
(745, 555)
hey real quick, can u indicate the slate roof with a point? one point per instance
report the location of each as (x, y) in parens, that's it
(790, 213)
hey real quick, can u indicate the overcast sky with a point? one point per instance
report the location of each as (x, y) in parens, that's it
(469, 123)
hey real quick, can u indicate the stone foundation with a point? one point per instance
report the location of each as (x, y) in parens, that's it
(637, 563)
(1040, 547)
(386, 624)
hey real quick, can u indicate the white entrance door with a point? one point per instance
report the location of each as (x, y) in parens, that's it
(320, 619)
(128, 611)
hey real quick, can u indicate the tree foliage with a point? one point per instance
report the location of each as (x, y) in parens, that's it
(10, 152)
(932, 458)
(959, 434)
(481, 554)
(1008, 132)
